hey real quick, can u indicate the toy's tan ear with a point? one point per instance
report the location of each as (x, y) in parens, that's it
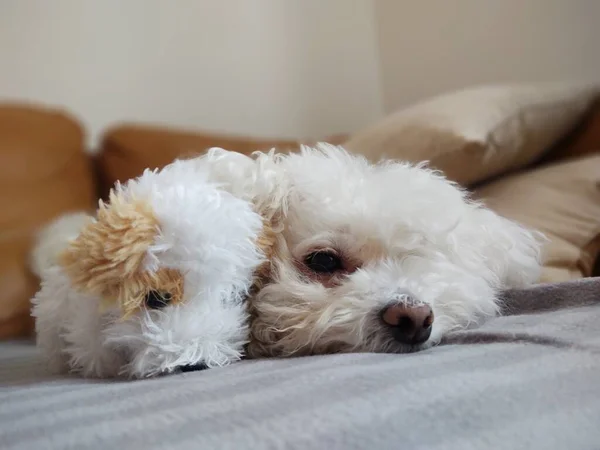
(111, 250)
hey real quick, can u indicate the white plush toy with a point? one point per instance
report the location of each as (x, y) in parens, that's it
(157, 281)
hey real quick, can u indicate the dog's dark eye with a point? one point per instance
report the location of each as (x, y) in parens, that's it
(323, 262)
(157, 299)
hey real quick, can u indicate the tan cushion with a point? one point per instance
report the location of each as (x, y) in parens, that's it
(480, 132)
(129, 149)
(43, 173)
(563, 201)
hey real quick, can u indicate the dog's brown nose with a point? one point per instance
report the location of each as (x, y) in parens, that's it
(410, 324)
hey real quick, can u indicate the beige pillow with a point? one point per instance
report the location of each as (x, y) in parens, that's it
(481, 132)
(563, 201)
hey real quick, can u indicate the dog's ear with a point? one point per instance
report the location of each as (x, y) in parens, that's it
(509, 250)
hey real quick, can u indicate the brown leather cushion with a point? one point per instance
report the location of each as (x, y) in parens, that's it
(129, 149)
(43, 172)
(563, 201)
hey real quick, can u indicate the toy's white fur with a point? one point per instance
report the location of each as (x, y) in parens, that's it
(398, 228)
(207, 233)
(51, 239)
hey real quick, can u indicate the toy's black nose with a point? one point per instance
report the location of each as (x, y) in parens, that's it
(409, 324)
(193, 367)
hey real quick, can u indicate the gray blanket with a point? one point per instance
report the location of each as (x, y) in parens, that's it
(529, 380)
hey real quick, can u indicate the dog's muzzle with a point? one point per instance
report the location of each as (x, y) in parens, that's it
(409, 321)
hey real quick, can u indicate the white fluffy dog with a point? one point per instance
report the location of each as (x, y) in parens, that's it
(156, 282)
(382, 257)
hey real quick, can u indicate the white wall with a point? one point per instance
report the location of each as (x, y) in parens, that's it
(281, 68)
(431, 46)
(285, 68)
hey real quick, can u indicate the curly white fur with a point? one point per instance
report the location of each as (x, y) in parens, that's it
(398, 227)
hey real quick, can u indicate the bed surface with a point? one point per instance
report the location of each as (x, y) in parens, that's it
(530, 380)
